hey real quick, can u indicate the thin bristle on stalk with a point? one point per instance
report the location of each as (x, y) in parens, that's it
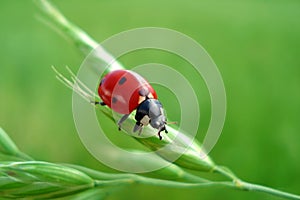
(76, 85)
(73, 87)
(75, 79)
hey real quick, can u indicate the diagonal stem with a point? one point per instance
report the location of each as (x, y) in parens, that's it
(268, 190)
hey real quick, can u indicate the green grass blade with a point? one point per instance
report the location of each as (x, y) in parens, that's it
(8, 147)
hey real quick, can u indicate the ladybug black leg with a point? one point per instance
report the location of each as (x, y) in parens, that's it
(123, 118)
(159, 131)
(141, 129)
(98, 102)
(137, 127)
(166, 131)
(160, 137)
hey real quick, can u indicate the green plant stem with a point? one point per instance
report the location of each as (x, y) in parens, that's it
(109, 176)
(133, 178)
(226, 173)
(242, 185)
(164, 183)
(75, 34)
(234, 184)
(117, 182)
(94, 193)
(259, 188)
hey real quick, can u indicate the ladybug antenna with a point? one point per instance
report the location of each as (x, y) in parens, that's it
(171, 122)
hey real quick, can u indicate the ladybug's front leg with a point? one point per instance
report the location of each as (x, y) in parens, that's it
(160, 130)
(123, 118)
(160, 137)
(166, 131)
(138, 127)
(98, 102)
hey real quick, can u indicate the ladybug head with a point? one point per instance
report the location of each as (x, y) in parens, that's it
(156, 115)
(158, 122)
(150, 111)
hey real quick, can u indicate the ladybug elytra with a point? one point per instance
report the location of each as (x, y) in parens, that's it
(125, 91)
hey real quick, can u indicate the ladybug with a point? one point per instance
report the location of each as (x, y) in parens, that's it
(125, 91)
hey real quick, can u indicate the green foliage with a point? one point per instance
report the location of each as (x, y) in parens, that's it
(260, 36)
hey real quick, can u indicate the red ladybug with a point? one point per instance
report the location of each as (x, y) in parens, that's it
(124, 91)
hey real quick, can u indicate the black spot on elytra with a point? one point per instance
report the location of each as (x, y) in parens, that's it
(114, 100)
(122, 80)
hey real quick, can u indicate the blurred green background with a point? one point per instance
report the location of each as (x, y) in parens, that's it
(255, 44)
